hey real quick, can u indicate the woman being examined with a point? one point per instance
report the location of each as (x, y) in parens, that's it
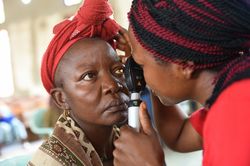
(84, 76)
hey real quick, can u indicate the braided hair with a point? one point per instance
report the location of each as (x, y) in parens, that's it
(210, 33)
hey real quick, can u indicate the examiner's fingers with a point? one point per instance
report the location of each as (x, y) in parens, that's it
(120, 39)
(145, 119)
(124, 33)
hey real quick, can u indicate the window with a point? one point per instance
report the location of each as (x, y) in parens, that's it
(6, 76)
(26, 2)
(71, 2)
(2, 14)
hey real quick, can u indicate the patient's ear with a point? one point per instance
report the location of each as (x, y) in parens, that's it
(59, 98)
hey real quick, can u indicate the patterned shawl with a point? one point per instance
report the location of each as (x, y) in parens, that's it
(68, 145)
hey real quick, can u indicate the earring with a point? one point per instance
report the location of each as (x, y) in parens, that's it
(66, 113)
(119, 85)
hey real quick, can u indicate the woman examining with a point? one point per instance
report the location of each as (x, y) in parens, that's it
(191, 50)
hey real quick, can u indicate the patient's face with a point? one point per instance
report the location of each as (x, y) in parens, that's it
(93, 82)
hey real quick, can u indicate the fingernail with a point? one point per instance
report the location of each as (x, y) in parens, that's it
(143, 105)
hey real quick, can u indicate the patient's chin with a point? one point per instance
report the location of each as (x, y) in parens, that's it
(123, 120)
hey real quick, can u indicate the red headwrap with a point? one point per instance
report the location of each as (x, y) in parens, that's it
(91, 20)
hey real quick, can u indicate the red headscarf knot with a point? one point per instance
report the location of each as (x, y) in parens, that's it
(91, 20)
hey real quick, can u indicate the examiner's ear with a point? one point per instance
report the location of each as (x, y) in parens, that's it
(59, 98)
(185, 71)
(188, 72)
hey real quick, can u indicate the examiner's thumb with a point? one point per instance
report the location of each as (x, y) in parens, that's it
(146, 125)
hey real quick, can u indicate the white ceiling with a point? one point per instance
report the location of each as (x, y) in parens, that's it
(15, 10)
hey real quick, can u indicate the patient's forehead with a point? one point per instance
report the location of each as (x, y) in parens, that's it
(87, 47)
(83, 52)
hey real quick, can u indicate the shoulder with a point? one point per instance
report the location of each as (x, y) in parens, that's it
(54, 152)
(231, 109)
(234, 100)
(227, 126)
(234, 95)
(43, 156)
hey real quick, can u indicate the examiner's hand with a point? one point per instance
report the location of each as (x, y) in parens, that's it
(123, 43)
(138, 148)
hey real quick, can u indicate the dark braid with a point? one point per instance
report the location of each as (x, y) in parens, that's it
(210, 33)
(237, 70)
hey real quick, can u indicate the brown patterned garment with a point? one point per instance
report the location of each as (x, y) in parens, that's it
(68, 145)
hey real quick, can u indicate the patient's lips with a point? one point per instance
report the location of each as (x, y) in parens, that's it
(116, 105)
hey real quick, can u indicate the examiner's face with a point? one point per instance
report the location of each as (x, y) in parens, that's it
(93, 82)
(161, 78)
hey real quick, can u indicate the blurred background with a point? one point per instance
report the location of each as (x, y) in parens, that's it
(26, 114)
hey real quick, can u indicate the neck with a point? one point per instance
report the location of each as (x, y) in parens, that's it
(101, 138)
(204, 86)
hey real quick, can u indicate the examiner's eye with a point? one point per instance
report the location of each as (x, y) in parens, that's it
(88, 76)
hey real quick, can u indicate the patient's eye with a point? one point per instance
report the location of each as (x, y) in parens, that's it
(89, 76)
(119, 71)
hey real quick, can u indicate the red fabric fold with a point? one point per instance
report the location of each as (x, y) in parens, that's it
(91, 20)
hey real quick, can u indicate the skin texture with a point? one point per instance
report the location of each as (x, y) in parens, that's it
(170, 84)
(90, 84)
